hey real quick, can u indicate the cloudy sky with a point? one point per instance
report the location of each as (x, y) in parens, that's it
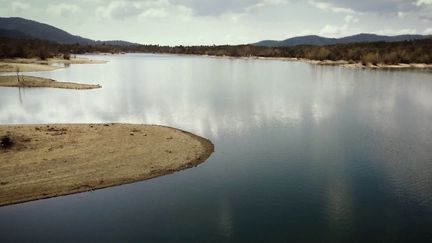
(191, 22)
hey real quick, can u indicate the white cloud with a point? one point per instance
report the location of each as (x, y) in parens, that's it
(306, 32)
(155, 13)
(351, 19)
(427, 31)
(120, 10)
(333, 30)
(18, 7)
(63, 9)
(224, 21)
(216, 7)
(143, 9)
(402, 14)
(331, 7)
(423, 2)
(265, 3)
(406, 31)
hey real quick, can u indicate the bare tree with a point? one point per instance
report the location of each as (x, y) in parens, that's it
(20, 81)
(17, 70)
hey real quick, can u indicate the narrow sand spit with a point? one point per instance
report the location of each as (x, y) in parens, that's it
(43, 161)
(348, 64)
(369, 66)
(24, 67)
(35, 65)
(342, 63)
(37, 82)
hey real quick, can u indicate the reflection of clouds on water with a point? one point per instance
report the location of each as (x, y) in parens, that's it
(236, 97)
(217, 96)
(407, 167)
(339, 203)
(225, 219)
(400, 114)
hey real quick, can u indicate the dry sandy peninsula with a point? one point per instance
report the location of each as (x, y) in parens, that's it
(43, 161)
(35, 65)
(37, 82)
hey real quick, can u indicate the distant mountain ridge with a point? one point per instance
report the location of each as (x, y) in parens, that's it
(14, 34)
(320, 41)
(20, 28)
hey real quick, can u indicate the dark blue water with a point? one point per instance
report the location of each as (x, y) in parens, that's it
(304, 153)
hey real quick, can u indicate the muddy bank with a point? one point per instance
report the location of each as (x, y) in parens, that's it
(43, 161)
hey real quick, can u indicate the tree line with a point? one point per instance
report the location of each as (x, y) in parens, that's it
(414, 51)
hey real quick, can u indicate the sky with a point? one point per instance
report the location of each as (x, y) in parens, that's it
(208, 22)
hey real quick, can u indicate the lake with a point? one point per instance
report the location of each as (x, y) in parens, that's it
(304, 153)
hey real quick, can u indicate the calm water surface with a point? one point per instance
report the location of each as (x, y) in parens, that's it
(304, 153)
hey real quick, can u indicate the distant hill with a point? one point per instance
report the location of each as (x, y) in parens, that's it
(20, 28)
(28, 29)
(14, 34)
(320, 41)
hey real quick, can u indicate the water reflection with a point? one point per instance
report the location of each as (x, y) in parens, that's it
(236, 96)
(20, 94)
(225, 217)
(341, 147)
(339, 203)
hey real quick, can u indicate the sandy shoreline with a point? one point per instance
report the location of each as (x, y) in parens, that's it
(38, 82)
(347, 64)
(342, 63)
(52, 160)
(36, 65)
(369, 66)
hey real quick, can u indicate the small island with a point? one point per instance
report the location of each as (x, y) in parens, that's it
(43, 161)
